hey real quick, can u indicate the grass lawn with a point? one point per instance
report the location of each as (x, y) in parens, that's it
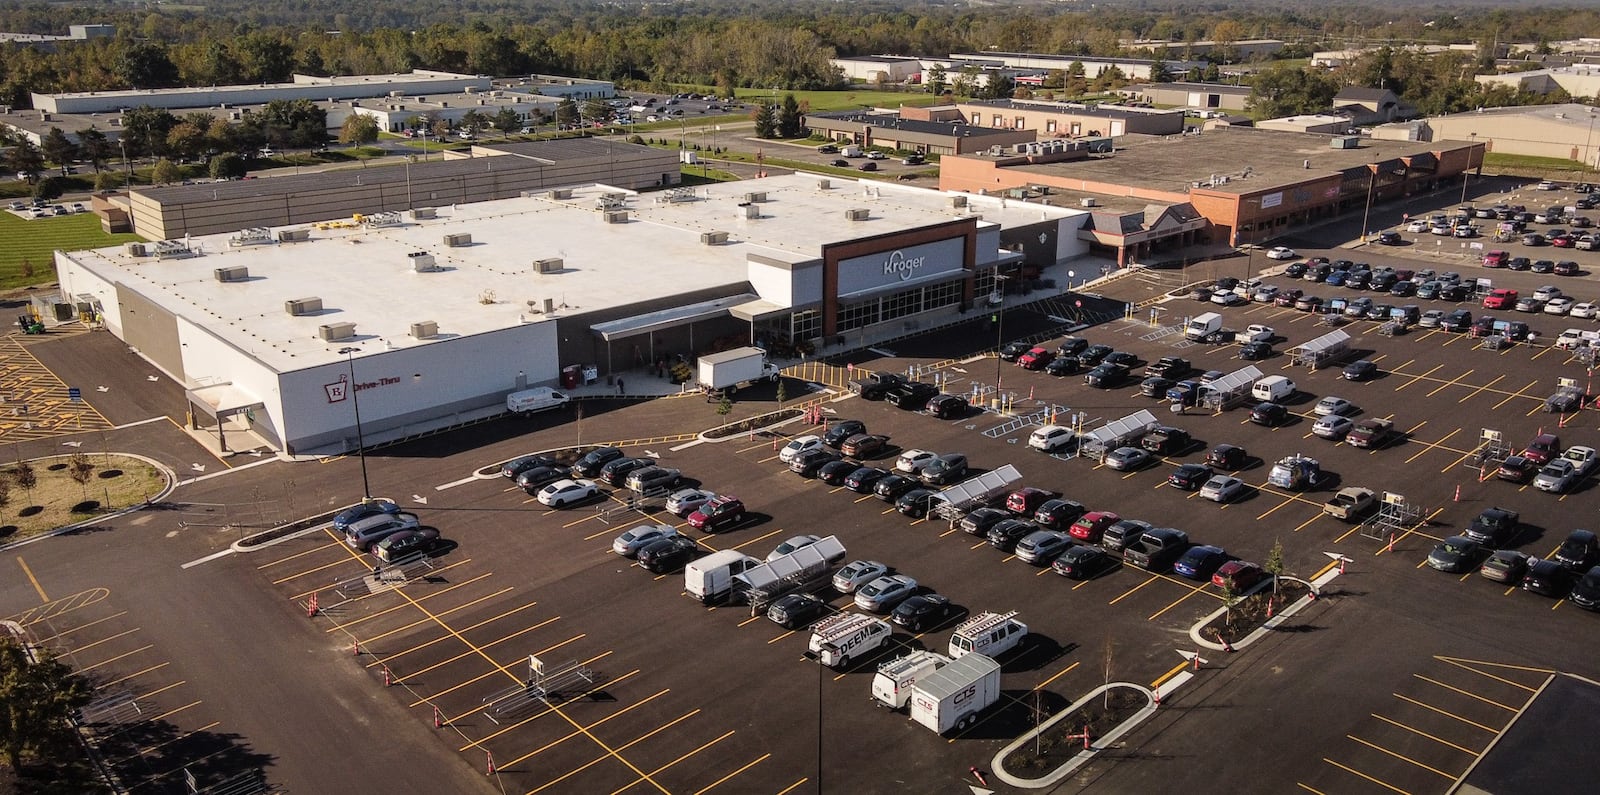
(1529, 162)
(115, 482)
(35, 241)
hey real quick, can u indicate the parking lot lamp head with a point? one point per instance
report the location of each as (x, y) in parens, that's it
(355, 401)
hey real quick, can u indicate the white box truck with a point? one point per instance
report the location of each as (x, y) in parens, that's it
(527, 401)
(895, 679)
(1202, 327)
(952, 697)
(710, 579)
(729, 369)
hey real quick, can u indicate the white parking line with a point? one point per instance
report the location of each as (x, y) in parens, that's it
(454, 483)
(207, 559)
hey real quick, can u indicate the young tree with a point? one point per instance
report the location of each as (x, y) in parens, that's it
(1274, 565)
(5, 491)
(766, 121)
(567, 112)
(358, 129)
(935, 78)
(227, 165)
(94, 147)
(473, 122)
(25, 477)
(725, 405)
(165, 172)
(106, 180)
(790, 121)
(80, 469)
(59, 149)
(39, 696)
(783, 394)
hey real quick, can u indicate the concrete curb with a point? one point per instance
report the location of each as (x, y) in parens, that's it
(1272, 623)
(1082, 757)
(166, 472)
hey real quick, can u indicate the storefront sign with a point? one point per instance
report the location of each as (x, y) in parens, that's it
(1271, 200)
(339, 390)
(887, 269)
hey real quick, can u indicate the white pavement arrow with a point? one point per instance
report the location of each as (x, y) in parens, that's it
(963, 372)
(1193, 657)
(420, 498)
(102, 389)
(197, 467)
(652, 454)
(255, 453)
(977, 790)
(1337, 558)
(152, 378)
(826, 410)
(72, 444)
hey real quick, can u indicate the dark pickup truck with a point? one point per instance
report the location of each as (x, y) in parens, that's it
(875, 385)
(1157, 549)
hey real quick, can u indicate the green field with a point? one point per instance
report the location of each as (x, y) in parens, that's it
(1493, 160)
(35, 241)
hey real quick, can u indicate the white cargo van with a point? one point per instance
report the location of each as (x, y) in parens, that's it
(838, 640)
(1274, 388)
(710, 579)
(851, 151)
(989, 634)
(1202, 327)
(892, 686)
(527, 401)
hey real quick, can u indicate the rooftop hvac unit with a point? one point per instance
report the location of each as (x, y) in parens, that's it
(1087, 201)
(292, 235)
(549, 306)
(333, 332)
(756, 196)
(424, 213)
(1345, 142)
(137, 250)
(299, 307)
(551, 265)
(615, 216)
(425, 329)
(381, 219)
(561, 194)
(236, 273)
(958, 201)
(748, 210)
(458, 239)
(423, 262)
(713, 238)
(824, 184)
(858, 214)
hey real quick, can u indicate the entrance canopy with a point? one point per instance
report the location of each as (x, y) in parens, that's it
(674, 317)
(221, 401)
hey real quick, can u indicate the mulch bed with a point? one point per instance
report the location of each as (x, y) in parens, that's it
(1252, 612)
(754, 423)
(1054, 748)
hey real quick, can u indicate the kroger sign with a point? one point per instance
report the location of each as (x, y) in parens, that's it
(888, 269)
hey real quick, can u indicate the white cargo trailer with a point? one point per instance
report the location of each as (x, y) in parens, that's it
(952, 697)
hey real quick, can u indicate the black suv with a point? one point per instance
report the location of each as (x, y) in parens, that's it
(1494, 528)
(947, 407)
(589, 465)
(944, 470)
(911, 395)
(616, 472)
(1174, 367)
(979, 521)
(842, 430)
(1580, 551)
(806, 464)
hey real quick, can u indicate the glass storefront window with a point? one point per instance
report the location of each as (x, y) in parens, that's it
(805, 324)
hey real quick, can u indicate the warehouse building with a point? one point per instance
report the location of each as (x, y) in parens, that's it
(494, 171)
(312, 87)
(1070, 119)
(897, 131)
(1566, 132)
(1131, 68)
(1205, 96)
(427, 319)
(1248, 185)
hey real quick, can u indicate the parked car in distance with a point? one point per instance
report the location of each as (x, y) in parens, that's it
(883, 594)
(863, 445)
(667, 554)
(1547, 578)
(1058, 514)
(796, 610)
(1505, 565)
(1200, 562)
(1084, 562)
(407, 544)
(683, 502)
(358, 512)
(1190, 477)
(923, 611)
(718, 513)
(798, 445)
(563, 493)
(1237, 576)
(857, 573)
(1455, 554)
(947, 407)
(1222, 488)
(1127, 459)
(630, 542)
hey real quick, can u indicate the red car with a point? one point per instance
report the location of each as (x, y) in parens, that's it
(722, 511)
(1026, 500)
(1495, 259)
(1036, 358)
(1544, 447)
(1500, 298)
(1237, 576)
(1092, 525)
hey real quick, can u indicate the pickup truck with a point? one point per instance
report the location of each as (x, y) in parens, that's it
(1373, 432)
(1157, 549)
(1350, 504)
(875, 386)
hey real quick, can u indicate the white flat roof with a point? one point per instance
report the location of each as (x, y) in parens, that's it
(365, 276)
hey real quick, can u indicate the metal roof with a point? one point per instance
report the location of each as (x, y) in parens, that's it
(1325, 342)
(981, 486)
(1243, 377)
(1114, 430)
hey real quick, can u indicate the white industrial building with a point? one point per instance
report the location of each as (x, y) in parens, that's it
(312, 87)
(449, 309)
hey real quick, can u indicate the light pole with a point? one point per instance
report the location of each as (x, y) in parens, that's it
(999, 328)
(1372, 182)
(126, 166)
(355, 400)
(1466, 173)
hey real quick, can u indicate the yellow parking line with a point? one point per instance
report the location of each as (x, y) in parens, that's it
(752, 763)
(386, 611)
(793, 787)
(479, 743)
(1508, 666)
(410, 675)
(106, 639)
(133, 675)
(145, 751)
(725, 736)
(35, 580)
(1517, 393)
(1467, 693)
(1270, 511)
(1474, 393)
(1429, 446)
(1500, 679)
(118, 657)
(1192, 591)
(1446, 713)
(1415, 379)
(458, 608)
(1169, 674)
(390, 657)
(1451, 382)
(1392, 722)
(1401, 757)
(1308, 788)
(169, 713)
(1129, 592)
(1379, 782)
(754, 540)
(299, 554)
(619, 713)
(1307, 523)
(1058, 675)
